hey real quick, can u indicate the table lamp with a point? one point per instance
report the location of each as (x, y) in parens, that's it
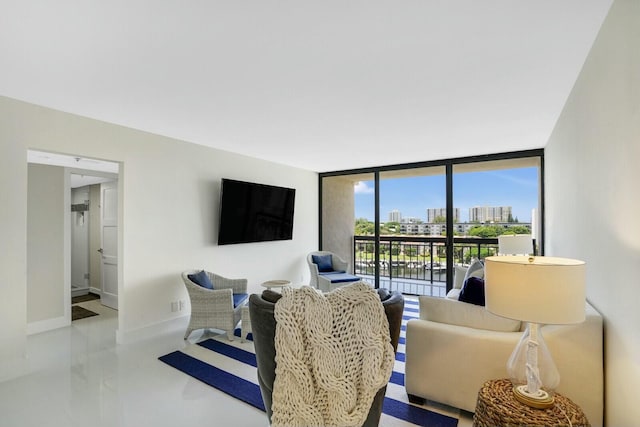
(537, 290)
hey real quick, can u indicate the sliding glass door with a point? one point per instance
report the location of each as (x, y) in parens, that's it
(405, 227)
(412, 230)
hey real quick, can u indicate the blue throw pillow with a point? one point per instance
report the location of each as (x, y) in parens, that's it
(239, 299)
(472, 291)
(323, 261)
(202, 279)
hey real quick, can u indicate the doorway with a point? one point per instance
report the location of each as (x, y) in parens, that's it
(82, 184)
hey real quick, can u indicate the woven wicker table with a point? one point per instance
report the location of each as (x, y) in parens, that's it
(245, 323)
(497, 407)
(275, 284)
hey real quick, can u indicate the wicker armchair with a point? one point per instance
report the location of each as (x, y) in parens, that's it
(331, 276)
(215, 308)
(338, 264)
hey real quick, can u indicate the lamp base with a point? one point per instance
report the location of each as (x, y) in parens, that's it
(540, 400)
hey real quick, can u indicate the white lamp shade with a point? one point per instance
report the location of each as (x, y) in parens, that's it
(545, 290)
(519, 244)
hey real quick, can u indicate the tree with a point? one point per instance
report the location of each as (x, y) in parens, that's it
(395, 248)
(486, 231)
(439, 220)
(518, 229)
(390, 227)
(364, 227)
(410, 251)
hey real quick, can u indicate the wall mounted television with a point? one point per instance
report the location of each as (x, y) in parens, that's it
(251, 212)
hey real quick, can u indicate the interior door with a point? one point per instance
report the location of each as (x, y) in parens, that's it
(79, 241)
(109, 249)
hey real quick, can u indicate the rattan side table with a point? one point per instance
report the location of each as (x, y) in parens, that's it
(245, 322)
(497, 407)
(276, 284)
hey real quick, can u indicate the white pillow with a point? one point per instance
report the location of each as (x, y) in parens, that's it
(452, 312)
(460, 272)
(476, 269)
(454, 294)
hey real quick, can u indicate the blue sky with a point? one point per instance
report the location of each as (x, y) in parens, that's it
(517, 188)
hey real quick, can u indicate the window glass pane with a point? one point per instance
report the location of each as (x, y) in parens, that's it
(412, 243)
(364, 241)
(494, 198)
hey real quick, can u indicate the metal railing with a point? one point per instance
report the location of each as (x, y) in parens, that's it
(416, 265)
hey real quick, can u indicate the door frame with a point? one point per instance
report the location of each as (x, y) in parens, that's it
(67, 232)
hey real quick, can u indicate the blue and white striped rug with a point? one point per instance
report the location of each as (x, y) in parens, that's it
(231, 368)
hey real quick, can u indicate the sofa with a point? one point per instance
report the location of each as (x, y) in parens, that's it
(454, 347)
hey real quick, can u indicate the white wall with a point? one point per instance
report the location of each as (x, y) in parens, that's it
(592, 198)
(45, 241)
(169, 193)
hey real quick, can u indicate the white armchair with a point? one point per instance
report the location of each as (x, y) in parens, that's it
(217, 308)
(332, 272)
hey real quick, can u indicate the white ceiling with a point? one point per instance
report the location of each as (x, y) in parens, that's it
(322, 85)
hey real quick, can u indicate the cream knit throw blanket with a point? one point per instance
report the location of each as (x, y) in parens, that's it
(333, 353)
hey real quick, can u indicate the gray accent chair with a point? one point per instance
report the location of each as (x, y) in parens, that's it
(263, 325)
(214, 308)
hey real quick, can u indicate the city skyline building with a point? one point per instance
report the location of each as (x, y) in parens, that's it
(395, 216)
(433, 213)
(484, 214)
(477, 214)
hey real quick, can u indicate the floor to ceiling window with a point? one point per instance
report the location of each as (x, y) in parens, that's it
(411, 237)
(495, 198)
(405, 227)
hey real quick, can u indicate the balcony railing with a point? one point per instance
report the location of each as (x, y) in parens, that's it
(416, 265)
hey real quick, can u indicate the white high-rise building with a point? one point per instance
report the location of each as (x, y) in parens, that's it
(433, 213)
(395, 216)
(489, 214)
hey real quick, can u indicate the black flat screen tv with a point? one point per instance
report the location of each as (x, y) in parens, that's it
(251, 212)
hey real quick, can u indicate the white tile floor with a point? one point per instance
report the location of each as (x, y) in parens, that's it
(77, 376)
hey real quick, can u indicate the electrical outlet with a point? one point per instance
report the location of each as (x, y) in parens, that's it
(174, 306)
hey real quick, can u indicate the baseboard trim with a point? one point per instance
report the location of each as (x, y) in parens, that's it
(150, 331)
(47, 325)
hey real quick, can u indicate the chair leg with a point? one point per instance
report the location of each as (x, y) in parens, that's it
(230, 334)
(416, 400)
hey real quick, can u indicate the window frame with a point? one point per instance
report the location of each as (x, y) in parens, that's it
(449, 165)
